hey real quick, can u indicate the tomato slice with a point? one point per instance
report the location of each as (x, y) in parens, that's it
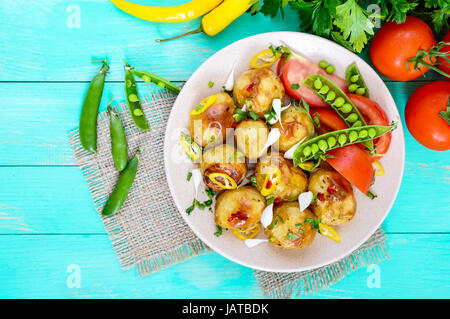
(375, 116)
(296, 70)
(350, 161)
(354, 164)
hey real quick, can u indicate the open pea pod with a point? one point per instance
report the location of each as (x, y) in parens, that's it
(133, 101)
(319, 145)
(355, 81)
(159, 81)
(330, 93)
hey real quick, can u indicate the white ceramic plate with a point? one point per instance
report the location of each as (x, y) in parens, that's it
(370, 213)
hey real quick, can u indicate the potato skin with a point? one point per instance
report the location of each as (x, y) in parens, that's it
(222, 159)
(251, 136)
(293, 180)
(338, 204)
(261, 86)
(209, 127)
(240, 208)
(296, 126)
(291, 218)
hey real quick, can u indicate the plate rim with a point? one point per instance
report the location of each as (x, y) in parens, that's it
(286, 270)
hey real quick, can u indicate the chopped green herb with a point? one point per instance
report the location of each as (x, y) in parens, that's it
(314, 222)
(218, 231)
(239, 115)
(295, 86)
(253, 180)
(270, 199)
(212, 140)
(210, 84)
(208, 202)
(291, 236)
(253, 115)
(272, 239)
(210, 192)
(189, 175)
(235, 156)
(298, 225)
(190, 209)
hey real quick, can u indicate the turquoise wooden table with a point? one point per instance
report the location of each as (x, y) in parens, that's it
(49, 230)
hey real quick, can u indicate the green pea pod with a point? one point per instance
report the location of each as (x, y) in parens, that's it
(120, 192)
(159, 81)
(89, 111)
(339, 101)
(319, 145)
(354, 77)
(134, 103)
(118, 141)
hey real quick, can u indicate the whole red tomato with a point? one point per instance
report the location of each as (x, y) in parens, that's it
(442, 64)
(422, 116)
(395, 43)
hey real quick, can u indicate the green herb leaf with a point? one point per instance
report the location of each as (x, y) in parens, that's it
(295, 86)
(239, 115)
(189, 176)
(210, 192)
(210, 84)
(253, 115)
(270, 199)
(291, 236)
(218, 231)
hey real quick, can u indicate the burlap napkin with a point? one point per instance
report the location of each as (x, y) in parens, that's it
(149, 232)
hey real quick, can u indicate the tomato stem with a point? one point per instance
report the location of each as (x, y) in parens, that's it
(446, 114)
(432, 55)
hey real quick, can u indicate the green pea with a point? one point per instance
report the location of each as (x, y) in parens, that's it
(133, 98)
(161, 85)
(331, 141)
(353, 87)
(354, 78)
(372, 132)
(357, 124)
(342, 139)
(322, 145)
(339, 101)
(363, 133)
(331, 96)
(352, 118)
(307, 151)
(353, 136)
(330, 69)
(146, 78)
(324, 89)
(346, 108)
(128, 83)
(317, 84)
(314, 148)
(138, 112)
(360, 91)
(323, 64)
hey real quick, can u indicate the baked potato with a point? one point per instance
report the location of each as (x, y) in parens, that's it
(251, 136)
(257, 88)
(288, 229)
(335, 203)
(210, 126)
(293, 181)
(296, 126)
(239, 209)
(223, 159)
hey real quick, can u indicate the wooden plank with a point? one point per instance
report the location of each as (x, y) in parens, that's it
(40, 266)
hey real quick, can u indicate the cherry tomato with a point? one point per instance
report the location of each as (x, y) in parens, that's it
(395, 43)
(442, 64)
(374, 115)
(350, 161)
(296, 70)
(422, 115)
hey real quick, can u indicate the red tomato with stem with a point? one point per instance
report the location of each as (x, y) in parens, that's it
(295, 70)
(395, 43)
(350, 161)
(425, 112)
(442, 63)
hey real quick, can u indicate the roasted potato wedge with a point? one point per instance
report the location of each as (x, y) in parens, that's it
(224, 159)
(289, 229)
(335, 203)
(296, 127)
(293, 180)
(251, 136)
(240, 208)
(257, 88)
(210, 127)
